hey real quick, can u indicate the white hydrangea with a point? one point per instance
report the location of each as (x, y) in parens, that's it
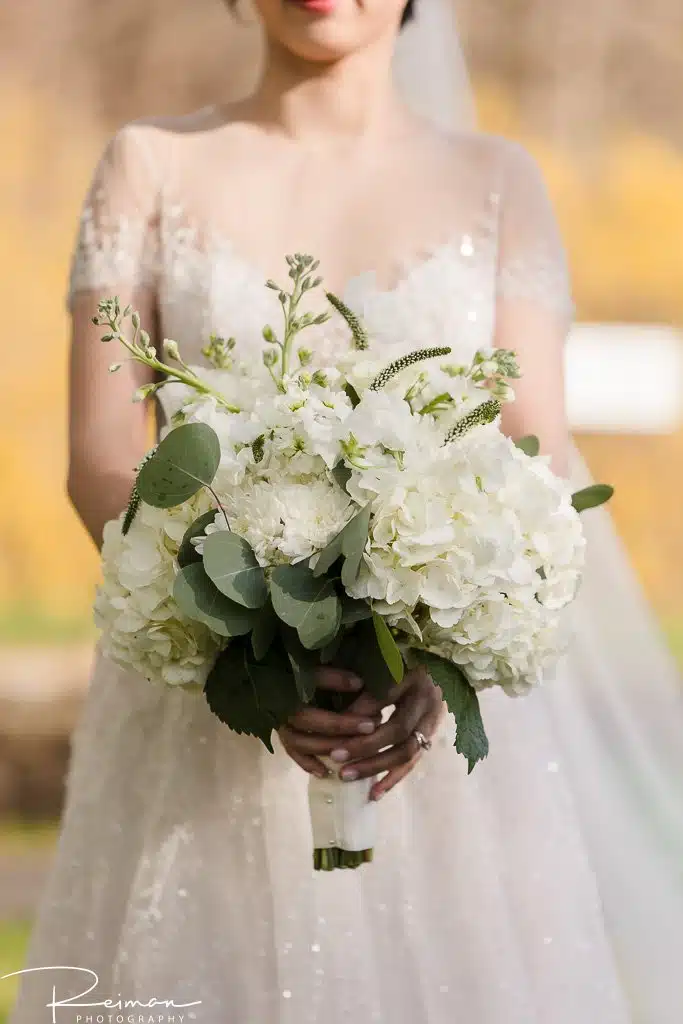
(142, 626)
(474, 548)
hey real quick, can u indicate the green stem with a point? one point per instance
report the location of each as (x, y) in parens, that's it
(189, 379)
(290, 334)
(330, 858)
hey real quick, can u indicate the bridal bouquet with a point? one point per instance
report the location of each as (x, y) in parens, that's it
(332, 506)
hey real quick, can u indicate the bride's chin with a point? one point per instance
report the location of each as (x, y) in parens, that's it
(316, 30)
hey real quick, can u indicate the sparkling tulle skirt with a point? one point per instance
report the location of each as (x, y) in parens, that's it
(546, 888)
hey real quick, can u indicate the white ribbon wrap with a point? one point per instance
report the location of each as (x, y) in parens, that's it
(341, 813)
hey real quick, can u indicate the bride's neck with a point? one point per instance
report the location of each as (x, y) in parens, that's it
(349, 99)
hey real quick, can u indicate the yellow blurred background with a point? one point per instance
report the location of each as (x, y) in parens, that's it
(593, 88)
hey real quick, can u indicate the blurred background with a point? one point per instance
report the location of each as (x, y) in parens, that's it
(593, 88)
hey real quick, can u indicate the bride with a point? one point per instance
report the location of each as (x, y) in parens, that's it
(544, 889)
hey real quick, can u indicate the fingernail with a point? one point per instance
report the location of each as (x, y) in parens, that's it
(378, 795)
(340, 755)
(354, 683)
(366, 727)
(349, 775)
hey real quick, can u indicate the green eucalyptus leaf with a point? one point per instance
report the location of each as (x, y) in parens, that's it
(387, 646)
(185, 461)
(305, 664)
(341, 475)
(187, 552)
(354, 611)
(330, 652)
(231, 564)
(199, 600)
(591, 497)
(307, 604)
(530, 445)
(264, 631)
(471, 740)
(232, 696)
(354, 539)
(349, 543)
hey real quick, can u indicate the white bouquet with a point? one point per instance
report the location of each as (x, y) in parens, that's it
(331, 508)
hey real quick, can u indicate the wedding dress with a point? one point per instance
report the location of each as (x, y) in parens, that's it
(545, 888)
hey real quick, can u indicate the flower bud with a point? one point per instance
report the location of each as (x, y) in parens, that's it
(144, 392)
(171, 350)
(305, 355)
(269, 334)
(269, 357)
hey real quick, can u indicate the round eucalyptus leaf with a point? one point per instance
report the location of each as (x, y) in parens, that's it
(530, 445)
(185, 461)
(187, 552)
(231, 564)
(199, 600)
(307, 603)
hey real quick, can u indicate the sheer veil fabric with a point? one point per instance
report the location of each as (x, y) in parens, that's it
(547, 887)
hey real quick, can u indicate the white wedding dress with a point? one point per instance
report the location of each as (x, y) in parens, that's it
(545, 888)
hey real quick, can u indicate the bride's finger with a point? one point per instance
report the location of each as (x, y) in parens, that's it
(338, 680)
(427, 726)
(310, 764)
(331, 723)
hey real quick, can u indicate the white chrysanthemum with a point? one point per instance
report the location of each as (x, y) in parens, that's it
(286, 520)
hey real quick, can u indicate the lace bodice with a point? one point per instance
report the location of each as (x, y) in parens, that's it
(149, 225)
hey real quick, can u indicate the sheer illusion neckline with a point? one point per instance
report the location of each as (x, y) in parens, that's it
(404, 272)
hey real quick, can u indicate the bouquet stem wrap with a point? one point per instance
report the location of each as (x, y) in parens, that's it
(343, 820)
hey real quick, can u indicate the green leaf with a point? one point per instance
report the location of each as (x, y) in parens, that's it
(471, 740)
(187, 552)
(264, 631)
(330, 652)
(349, 543)
(341, 475)
(354, 611)
(530, 445)
(198, 599)
(274, 684)
(185, 461)
(352, 395)
(591, 497)
(307, 604)
(232, 696)
(387, 646)
(354, 539)
(231, 564)
(305, 664)
(360, 653)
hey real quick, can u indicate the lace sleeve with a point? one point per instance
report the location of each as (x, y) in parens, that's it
(532, 264)
(117, 241)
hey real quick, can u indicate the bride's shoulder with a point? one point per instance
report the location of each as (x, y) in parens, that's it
(493, 156)
(162, 133)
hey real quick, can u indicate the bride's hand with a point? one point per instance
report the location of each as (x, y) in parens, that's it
(419, 707)
(357, 737)
(313, 733)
